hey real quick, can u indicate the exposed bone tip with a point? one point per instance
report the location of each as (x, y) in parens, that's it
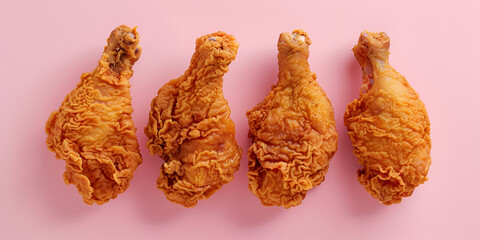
(212, 39)
(298, 38)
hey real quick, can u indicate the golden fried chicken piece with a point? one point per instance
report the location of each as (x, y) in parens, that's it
(93, 130)
(190, 126)
(388, 125)
(292, 130)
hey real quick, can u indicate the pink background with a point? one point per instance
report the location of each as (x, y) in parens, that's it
(46, 45)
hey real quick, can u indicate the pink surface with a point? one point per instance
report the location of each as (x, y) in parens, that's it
(46, 45)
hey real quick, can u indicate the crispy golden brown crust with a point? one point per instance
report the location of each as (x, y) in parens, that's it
(93, 130)
(388, 125)
(292, 130)
(190, 126)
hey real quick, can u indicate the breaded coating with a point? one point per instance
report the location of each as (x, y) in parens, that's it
(388, 125)
(93, 130)
(190, 126)
(292, 130)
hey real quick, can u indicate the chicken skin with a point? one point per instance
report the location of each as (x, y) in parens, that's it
(190, 126)
(93, 130)
(388, 125)
(293, 130)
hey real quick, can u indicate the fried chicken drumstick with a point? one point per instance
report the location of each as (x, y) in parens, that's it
(93, 130)
(190, 126)
(388, 125)
(292, 130)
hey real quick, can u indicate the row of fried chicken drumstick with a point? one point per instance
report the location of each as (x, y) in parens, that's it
(292, 130)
